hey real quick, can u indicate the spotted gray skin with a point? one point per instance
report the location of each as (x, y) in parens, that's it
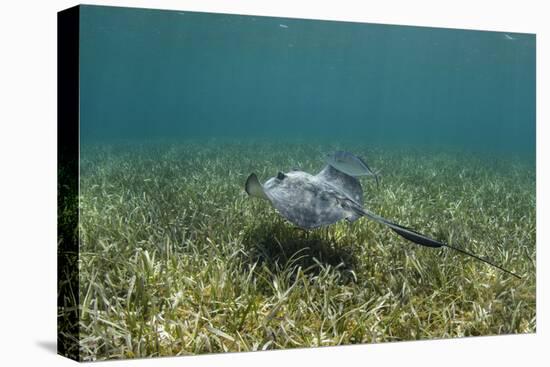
(311, 201)
(349, 185)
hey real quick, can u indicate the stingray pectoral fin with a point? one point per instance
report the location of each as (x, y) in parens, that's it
(254, 188)
(420, 239)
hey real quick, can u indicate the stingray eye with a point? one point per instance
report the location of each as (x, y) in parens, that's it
(281, 176)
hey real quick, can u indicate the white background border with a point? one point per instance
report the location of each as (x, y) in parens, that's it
(28, 180)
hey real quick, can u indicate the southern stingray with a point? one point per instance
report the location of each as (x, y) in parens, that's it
(311, 201)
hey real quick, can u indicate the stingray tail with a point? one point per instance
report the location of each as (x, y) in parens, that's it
(423, 240)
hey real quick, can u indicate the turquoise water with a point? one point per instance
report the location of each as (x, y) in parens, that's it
(150, 75)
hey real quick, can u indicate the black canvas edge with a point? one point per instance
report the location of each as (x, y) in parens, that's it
(68, 96)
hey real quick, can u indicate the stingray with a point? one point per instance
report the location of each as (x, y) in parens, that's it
(312, 201)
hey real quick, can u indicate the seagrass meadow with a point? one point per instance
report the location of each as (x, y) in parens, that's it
(176, 259)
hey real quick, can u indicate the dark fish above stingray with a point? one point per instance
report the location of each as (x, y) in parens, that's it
(350, 164)
(311, 201)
